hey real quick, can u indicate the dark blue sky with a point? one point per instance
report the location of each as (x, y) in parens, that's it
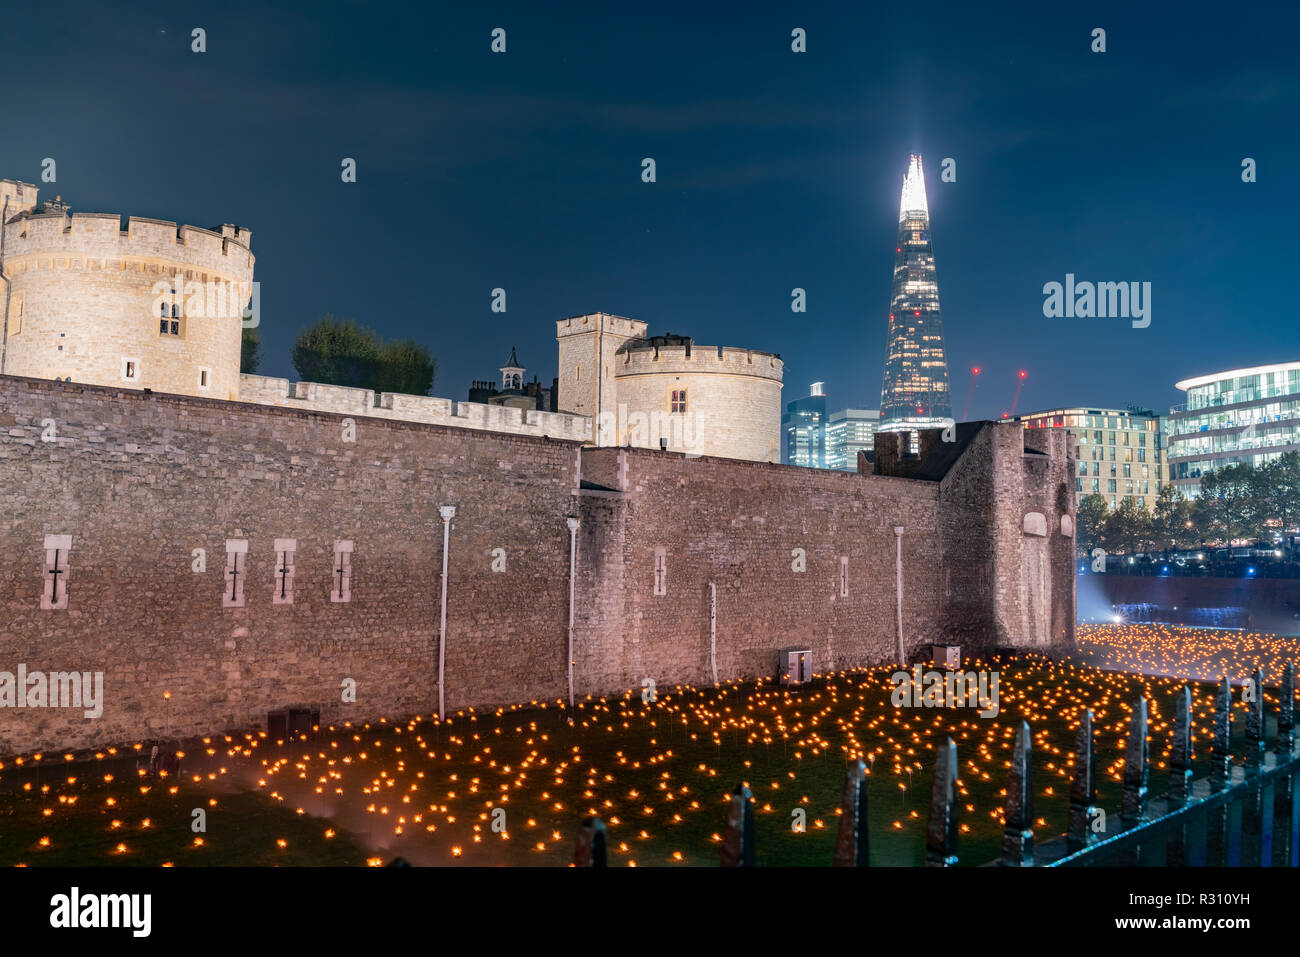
(775, 170)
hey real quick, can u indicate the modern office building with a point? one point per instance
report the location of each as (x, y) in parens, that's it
(915, 393)
(803, 428)
(848, 432)
(1119, 453)
(1245, 415)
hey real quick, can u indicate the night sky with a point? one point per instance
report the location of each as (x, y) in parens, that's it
(775, 170)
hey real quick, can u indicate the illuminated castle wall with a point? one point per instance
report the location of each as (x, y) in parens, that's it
(154, 538)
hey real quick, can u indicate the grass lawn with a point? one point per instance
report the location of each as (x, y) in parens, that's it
(154, 828)
(510, 787)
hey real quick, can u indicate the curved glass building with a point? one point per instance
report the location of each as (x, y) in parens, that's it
(1245, 415)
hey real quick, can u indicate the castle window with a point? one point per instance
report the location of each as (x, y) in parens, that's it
(661, 571)
(678, 400)
(844, 576)
(236, 559)
(204, 381)
(285, 548)
(54, 591)
(130, 370)
(341, 590)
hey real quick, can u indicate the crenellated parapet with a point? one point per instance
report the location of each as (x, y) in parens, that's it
(344, 400)
(650, 358)
(59, 240)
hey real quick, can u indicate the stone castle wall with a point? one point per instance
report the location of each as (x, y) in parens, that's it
(738, 525)
(319, 397)
(84, 298)
(140, 481)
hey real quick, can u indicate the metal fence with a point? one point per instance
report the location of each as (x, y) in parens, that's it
(1240, 815)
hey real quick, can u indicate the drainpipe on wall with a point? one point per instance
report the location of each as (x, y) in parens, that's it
(4, 316)
(574, 522)
(898, 577)
(447, 512)
(713, 630)
(600, 381)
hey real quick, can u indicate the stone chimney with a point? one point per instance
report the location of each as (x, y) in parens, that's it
(927, 439)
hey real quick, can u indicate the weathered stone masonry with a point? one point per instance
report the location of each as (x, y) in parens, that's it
(140, 480)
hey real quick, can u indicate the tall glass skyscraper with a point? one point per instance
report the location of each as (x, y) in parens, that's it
(915, 393)
(804, 428)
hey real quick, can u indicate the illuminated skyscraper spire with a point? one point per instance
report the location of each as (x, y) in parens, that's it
(914, 192)
(915, 393)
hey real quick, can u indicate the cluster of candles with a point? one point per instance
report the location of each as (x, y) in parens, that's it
(1195, 654)
(510, 784)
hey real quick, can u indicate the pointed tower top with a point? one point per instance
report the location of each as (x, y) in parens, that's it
(913, 190)
(512, 373)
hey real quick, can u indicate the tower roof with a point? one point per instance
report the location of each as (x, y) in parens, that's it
(513, 361)
(913, 200)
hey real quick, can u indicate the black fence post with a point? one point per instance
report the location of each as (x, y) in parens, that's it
(1217, 818)
(1286, 798)
(852, 848)
(1255, 723)
(590, 850)
(1018, 812)
(941, 827)
(1083, 790)
(1221, 749)
(1180, 777)
(738, 836)
(1137, 766)
(1257, 805)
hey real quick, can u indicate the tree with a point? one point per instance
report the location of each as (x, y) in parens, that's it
(1172, 524)
(1090, 521)
(1227, 503)
(349, 354)
(250, 347)
(406, 367)
(1128, 528)
(337, 353)
(1277, 494)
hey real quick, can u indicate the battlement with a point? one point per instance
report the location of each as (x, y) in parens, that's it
(101, 236)
(634, 359)
(342, 400)
(16, 197)
(600, 322)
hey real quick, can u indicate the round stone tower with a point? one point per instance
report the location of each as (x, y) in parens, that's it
(708, 400)
(152, 306)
